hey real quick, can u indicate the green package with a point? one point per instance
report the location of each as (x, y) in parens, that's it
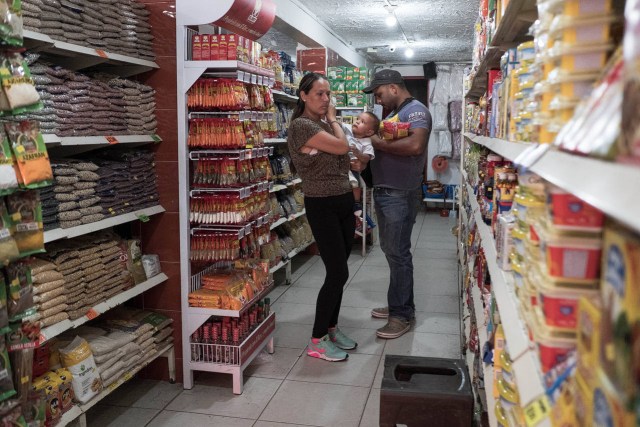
(26, 212)
(336, 73)
(18, 93)
(6, 376)
(8, 248)
(11, 22)
(8, 178)
(341, 100)
(364, 74)
(20, 292)
(30, 152)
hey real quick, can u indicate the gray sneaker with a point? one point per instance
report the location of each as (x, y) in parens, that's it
(394, 328)
(380, 313)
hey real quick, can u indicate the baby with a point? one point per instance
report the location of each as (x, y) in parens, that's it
(359, 138)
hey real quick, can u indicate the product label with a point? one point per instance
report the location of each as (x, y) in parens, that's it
(143, 218)
(112, 140)
(537, 411)
(102, 53)
(92, 314)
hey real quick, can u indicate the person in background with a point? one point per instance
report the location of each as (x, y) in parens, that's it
(329, 205)
(397, 172)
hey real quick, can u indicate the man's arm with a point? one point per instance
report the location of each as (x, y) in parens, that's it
(412, 145)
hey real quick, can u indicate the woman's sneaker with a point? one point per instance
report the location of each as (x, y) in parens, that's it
(324, 348)
(341, 340)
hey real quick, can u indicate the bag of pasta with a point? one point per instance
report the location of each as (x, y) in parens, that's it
(25, 210)
(18, 93)
(32, 159)
(8, 248)
(20, 291)
(11, 22)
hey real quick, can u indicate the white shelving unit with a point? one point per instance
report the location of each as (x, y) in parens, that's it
(79, 411)
(590, 179)
(287, 263)
(77, 57)
(275, 140)
(287, 219)
(68, 233)
(280, 187)
(60, 327)
(279, 95)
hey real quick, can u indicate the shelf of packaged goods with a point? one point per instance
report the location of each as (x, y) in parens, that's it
(68, 233)
(77, 57)
(513, 25)
(287, 219)
(279, 95)
(238, 357)
(526, 364)
(478, 309)
(66, 141)
(592, 180)
(227, 66)
(199, 311)
(488, 391)
(80, 410)
(275, 140)
(289, 256)
(350, 108)
(280, 187)
(490, 61)
(60, 327)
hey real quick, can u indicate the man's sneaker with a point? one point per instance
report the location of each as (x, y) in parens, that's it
(380, 313)
(325, 349)
(394, 328)
(341, 340)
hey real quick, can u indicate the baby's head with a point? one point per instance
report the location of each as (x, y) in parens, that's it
(366, 125)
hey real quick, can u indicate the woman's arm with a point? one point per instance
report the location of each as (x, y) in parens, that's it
(324, 141)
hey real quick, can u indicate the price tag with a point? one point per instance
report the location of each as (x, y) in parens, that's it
(127, 376)
(537, 411)
(114, 386)
(156, 138)
(92, 314)
(102, 53)
(41, 338)
(112, 139)
(143, 218)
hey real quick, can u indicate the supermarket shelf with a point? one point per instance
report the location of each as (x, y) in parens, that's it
(525, 360)
(514, 24)
(290, 255)
(60, 327)
(99, 140)
(79, 410)
(280, 187)
(229, 66)
(77, 57)
(207, 312)
(478, 309)
(589, 179)
(350, 108)
(488, 390)
(490, 61)
(275, 140)
(287, 219)
(284, 96)
(68, 233)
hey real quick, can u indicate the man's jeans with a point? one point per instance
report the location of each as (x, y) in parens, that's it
(396, 212)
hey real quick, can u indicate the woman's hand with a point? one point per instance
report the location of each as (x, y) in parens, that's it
(357, 165)
(331, 113)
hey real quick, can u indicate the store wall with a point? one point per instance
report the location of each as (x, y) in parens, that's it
(161, 235)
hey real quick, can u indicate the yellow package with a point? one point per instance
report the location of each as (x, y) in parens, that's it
(66, 389)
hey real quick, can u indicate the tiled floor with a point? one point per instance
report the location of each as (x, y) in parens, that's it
(289, 388)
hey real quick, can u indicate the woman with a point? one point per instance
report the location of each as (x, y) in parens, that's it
(318, 148)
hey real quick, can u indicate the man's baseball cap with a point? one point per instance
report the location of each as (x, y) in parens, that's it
(384, 77)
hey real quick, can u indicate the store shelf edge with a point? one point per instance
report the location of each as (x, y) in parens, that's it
(61, 233)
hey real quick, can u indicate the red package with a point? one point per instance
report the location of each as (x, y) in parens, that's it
(215, 47)
(223, 43)
(196, 47)
(232, 47)
(395, 130)
(206, 47)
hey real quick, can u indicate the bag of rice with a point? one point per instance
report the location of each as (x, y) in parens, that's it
(77, 358)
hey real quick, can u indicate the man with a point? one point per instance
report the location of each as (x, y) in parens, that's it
(397, 171)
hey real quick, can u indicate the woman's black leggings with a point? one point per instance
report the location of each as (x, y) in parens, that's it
(333, 225)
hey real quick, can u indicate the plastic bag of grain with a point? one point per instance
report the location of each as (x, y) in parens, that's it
(77, 358)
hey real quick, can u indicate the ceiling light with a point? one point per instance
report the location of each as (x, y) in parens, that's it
(391, 20)
(408, 53)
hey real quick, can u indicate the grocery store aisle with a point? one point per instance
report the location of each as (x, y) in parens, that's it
(290, 388)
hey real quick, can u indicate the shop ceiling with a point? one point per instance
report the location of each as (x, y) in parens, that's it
(436, 30)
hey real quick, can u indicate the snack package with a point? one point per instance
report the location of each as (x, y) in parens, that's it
(134, 259)
(7, 389)
(20, 291)
(151, 264)
(78, 359)
(32, 159)
(395, 130)
(35, 411)
(21, 364)
(11, 22)
(18, 93)
(8, 248)
(26, 212)
(8, 177)
(66, 389)
(11, 414)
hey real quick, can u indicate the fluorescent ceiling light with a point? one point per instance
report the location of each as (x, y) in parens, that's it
(408, 53)
(391, 20)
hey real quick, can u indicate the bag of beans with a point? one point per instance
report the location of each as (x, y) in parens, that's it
(32, 159)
